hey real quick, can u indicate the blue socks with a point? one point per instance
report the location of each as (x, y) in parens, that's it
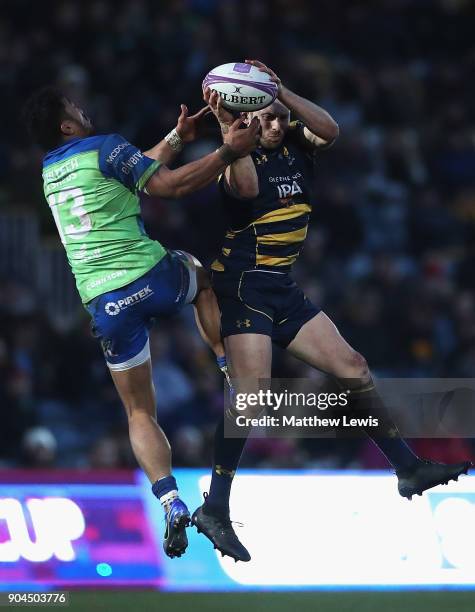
(166, 490)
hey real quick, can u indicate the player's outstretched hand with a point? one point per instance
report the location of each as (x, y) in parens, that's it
(243, 140)
(263, 68)
(187, 127)
(214, 101)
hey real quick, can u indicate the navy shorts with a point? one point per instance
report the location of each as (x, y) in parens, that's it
(121, 318)
(257, 302)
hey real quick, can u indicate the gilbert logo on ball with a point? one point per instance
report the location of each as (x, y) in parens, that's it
(242, 87)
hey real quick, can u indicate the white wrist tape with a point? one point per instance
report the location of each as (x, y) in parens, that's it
(174, 141)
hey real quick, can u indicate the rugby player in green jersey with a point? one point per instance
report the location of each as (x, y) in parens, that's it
(266, 196)
(91, 183)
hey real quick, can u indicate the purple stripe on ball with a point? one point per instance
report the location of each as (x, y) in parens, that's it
(268, 88)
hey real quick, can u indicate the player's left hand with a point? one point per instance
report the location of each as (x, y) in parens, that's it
(224, 117)
(263, 68)
(187, 127)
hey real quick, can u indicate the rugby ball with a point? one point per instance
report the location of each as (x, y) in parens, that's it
(242, 87)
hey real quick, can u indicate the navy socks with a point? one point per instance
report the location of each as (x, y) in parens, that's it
(366, 401)
(227, 454)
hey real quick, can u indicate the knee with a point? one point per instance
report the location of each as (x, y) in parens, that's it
(203, 279)
(249, 400)
(249, 412)
(356, 366)
(137, 412)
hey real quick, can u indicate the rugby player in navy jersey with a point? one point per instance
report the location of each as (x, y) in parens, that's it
(266, 196)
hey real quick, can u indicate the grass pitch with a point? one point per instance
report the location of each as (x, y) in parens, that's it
(130, 601)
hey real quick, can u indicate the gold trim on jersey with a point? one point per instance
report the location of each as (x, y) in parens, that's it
(217, 266)
(284, 238)
(279, 214)
(268, 260)
(272, 239)
(282, 214)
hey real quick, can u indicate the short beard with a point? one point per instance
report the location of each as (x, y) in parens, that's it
(270, 144)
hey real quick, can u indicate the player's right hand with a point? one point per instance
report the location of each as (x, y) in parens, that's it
(241, 139)
(263, 68)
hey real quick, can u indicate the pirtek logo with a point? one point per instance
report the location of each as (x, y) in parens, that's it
(113, 308)
(245, 323)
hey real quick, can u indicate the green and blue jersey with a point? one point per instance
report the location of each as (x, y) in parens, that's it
(91, 185)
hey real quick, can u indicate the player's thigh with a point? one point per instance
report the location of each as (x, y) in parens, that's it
(246, 326)
(249, 358)
(320, 344)
(122, 330)
(197, 275)
(247, 319)
(135, 388)
(249, 355)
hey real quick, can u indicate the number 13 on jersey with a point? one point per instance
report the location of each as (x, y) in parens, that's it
(67, 206)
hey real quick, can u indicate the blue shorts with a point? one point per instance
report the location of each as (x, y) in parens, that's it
(121, 318)
(258, 302)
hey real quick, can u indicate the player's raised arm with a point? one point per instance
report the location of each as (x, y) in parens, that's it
(195, 175)
(186, 130)
(320, 128)
(240, 177)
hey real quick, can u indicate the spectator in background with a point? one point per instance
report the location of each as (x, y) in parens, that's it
(39, 448)
(389, 254)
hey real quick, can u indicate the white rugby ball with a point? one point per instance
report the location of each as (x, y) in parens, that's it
(242, 87)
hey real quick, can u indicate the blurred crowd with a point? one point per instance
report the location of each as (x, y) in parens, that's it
(390, 254)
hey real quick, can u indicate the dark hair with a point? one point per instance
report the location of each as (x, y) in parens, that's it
(43, 113)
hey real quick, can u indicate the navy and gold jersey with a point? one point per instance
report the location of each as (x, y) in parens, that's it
(267, 232)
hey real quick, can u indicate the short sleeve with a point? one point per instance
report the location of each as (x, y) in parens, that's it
(122, 161)
(296, 134)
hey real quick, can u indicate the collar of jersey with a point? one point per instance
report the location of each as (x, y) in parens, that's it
(72, 147)
(263, 150)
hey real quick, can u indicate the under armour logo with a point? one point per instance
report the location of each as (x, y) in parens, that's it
(245, 323)
(262, 159)
(224, 472)
(285, 154)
